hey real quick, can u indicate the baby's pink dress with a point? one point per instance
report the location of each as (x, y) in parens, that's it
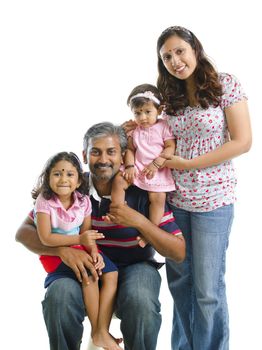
(149, 143)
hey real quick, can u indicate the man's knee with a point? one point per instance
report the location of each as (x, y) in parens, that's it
(62, 297)
(141, 294)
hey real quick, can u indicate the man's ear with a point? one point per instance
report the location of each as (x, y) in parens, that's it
(84, 157)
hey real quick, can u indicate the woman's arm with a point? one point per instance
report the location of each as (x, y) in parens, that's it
(78, 260)
(239, 127)
(168, 245)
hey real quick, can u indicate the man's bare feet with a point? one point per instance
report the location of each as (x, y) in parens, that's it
(105, 340)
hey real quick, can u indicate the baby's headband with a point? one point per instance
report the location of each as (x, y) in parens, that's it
(146, 94)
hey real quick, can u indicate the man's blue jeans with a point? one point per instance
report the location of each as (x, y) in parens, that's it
(137, 306)
(200, 319)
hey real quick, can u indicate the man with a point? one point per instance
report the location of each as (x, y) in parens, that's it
(137, 303)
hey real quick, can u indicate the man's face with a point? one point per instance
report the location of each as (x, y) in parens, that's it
(104, 157)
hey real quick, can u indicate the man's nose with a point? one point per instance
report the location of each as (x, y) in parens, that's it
(103, 157)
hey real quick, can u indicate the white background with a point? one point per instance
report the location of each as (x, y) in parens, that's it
(65, 65)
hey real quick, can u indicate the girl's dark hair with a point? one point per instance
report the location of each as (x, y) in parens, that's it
(208, 87)
(140, 101)
(42, 185)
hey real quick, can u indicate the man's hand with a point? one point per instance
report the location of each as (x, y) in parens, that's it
(122, 214)
(78, 260)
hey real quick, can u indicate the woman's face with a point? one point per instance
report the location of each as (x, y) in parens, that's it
(178, 57)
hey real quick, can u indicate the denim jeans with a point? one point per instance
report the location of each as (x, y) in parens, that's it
(200, 315)
(137, 306)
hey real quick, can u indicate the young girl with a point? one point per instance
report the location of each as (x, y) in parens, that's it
(63, 218)
(151, 137)
(209, 116)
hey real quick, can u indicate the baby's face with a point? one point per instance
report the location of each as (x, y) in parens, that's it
(146, 115)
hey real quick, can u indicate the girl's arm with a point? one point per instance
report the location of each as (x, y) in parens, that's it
(168, 151)
(50, 239)
(55, 239)
(87, 236)
(129, 157)
(159, 162)
(129, 161)
(78, 260)
(88, 239)
(239, 127)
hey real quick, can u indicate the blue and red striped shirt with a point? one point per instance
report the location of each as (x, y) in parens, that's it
(120, 243)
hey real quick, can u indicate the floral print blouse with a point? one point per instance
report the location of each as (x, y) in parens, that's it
(198, 131)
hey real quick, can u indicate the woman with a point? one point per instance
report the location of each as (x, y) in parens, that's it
(209, 116)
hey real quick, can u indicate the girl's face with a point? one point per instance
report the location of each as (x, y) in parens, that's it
(146, 115)
(178, 57)
(64, 179)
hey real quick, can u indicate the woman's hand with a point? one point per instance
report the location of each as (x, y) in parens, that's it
(129, 125)
(175, 162)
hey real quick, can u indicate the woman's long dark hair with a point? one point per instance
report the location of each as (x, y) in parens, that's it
(208, 88)
(43, 186)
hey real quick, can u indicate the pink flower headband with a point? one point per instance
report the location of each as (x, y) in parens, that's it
(146, 94)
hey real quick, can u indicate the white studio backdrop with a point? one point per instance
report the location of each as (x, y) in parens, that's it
(65, 65)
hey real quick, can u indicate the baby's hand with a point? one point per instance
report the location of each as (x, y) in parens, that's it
(150, 171)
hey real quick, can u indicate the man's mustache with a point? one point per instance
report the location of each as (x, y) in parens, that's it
(102, 165)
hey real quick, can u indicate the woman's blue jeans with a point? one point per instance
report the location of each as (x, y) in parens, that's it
(200, 318)
(137, 306)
